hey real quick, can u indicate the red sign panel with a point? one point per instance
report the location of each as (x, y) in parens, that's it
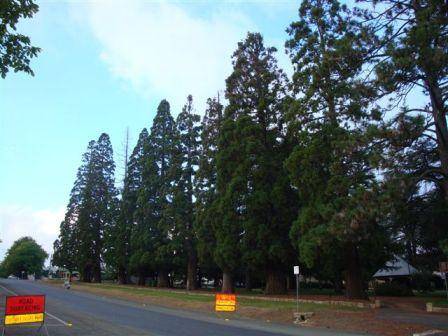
(25, 304)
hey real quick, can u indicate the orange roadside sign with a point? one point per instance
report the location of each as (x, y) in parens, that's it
(225, 302)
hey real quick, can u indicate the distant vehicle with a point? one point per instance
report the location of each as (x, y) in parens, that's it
(13, 277)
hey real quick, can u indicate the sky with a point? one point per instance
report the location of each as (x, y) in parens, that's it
(104, 67)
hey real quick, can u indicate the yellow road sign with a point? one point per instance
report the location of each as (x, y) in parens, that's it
(225, 308)
(24, 318)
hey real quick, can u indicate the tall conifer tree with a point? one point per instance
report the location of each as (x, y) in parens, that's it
(205, 186)
(146, 217)
(65, 247)
(91, 213)
(333, 166)
(410, 54)
(163, 144)
(253, 186)
(187, 161)
(121, 238)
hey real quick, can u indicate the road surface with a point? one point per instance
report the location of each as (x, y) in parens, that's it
(73, 313)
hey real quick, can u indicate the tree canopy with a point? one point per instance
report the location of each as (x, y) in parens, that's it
(16, 50)
(25, 257)
(334, 168)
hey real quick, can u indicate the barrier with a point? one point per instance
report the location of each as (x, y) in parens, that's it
(24, 309)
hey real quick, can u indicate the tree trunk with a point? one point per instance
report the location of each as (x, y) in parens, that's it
(227, 283)
(439, 112)
(441, 129)
(96, 276)
(275, 282)
(338, 286)
(87, 274)
(192, 272)
(289, 286)
(122, 277)
(216, 282)
(199, 279)
(141, 280)
(248, 281)
(354, 288)
(162, 279)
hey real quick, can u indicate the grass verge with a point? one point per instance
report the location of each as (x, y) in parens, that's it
(207, 298)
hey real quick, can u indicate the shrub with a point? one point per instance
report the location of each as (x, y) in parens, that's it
(422, 282)
(393, 289)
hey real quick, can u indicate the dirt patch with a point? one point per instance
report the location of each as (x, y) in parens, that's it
(363, 322)
(406, 303)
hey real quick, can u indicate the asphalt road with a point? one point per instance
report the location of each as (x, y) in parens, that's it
(73, 313)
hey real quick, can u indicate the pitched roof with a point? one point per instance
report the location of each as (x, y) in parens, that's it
(396, 267)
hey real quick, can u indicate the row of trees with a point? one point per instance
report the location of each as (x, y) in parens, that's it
(332, 168)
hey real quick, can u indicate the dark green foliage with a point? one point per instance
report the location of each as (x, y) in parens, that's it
(205, 187)
(412, 54)
(66, 247)
(393, 289)
(90, 219)
(163, 144)
(121, 235)
(420, 223)
(16, 50)
(146, 216)
(333, 165)
(23, 258)
(254, 191)
(105, 203)
(309, 172)
(184, 169)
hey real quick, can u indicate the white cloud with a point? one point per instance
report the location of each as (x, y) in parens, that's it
(19, 221)
(162, 50)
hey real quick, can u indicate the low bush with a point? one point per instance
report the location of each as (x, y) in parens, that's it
(393, 289)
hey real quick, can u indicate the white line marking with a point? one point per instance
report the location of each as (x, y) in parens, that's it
(58, 319)
(8, 290)
(51, 315)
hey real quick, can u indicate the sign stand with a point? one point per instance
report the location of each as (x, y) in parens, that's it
(443, 268)
(25, 309)
(44, 327)
(296, 273)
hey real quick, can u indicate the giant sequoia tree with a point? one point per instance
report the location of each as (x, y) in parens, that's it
(91, 213)
(205, 187)
(146, 216)
(66, 247)
(309, 171)
(162, 143)
(253, 191)
(121, 234)
(186, 163)
(333, 166)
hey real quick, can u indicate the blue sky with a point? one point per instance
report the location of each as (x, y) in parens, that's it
(104, 66)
